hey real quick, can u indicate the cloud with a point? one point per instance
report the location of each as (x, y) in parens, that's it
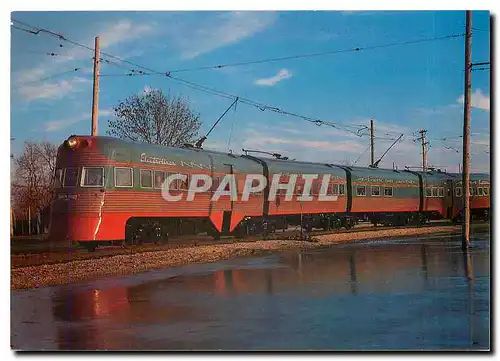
(55, 90)
(282, 75)
(259, 139)
(219, 31)
(65, 123)
(478, 100)
(123, 31)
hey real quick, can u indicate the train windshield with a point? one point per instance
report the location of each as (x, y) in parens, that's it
(71, 177)
(58, 178)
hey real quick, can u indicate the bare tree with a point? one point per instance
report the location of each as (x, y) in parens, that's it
(34, 176)
(155, 117)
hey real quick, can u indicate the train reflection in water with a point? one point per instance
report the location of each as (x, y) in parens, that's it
(190, 311)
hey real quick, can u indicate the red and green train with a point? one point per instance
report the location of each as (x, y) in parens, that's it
(108, 189)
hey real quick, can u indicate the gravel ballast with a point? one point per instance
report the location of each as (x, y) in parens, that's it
(82, 270)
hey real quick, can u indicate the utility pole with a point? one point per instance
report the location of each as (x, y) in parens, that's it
(424, 152)
(372, 145)
(466, 135)
(95, 99)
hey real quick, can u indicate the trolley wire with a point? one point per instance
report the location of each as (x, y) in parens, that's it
(212, 91)
(47, 78)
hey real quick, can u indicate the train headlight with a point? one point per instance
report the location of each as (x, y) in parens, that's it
(72, 142)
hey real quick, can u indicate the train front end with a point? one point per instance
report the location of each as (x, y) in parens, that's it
(79, 190)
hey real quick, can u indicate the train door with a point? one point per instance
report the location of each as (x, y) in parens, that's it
(220, 210)
(448, 198)
(226, 218)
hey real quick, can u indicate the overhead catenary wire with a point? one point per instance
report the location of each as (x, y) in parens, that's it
(48, 78)
(215, 92)
(357, 159)
(323, 53)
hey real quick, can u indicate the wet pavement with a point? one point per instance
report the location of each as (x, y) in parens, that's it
(394, 294)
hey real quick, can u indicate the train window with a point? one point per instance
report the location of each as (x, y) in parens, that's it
(428, 192)
(92, 177)
(58, 178)
(159, 178)
(434, 192)
(124, 177)
(388, 191)
(255, 183)
(333, 189)
(486, 190)
(146, 178)
(316, 186)
(299, 188)
(361, 191)
(473, 191)
(215, 183)
(376, 191)
(184, 184)
(341, 189)
(441, 192)
(480, 191)
(458, 191)
(71, 177)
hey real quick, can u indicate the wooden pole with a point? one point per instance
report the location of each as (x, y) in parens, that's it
(466, 135)
(372, 145)
(95, 99)
(424, 153)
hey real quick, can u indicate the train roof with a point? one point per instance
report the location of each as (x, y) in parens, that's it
(360, 173)
(132, 151)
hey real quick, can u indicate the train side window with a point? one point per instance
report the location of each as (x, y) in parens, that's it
(333, 189)
(434, 191)
(441, 192)
(458, 191)
(70, 177)
(215, 183)
(146, 178)
(255, 183)
(174, 184)
(316, 186)
(361, 191)
(480, 191)
(183, 184)
(485, 191)
(124, 177)
(92, 177)
(159, 178)
(58, 178)
(341, 189)
(473, 191)
(376, 191)
(388, 191)
(428, 192)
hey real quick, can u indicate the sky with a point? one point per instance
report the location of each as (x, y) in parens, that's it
(403, 88)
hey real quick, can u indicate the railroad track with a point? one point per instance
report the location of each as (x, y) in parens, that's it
(63, 254)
